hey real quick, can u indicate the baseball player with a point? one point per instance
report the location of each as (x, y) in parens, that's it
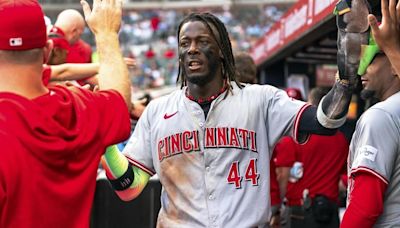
(374, 158)
(210, 142)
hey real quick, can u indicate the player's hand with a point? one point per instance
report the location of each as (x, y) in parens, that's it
(104, 17)
(387, 34)
(130, 62)
(275, 221)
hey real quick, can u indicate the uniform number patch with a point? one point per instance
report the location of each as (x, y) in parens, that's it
(250, 175)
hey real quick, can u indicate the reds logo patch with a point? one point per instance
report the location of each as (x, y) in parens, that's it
(367, 152)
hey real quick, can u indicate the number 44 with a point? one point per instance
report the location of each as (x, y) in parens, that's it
(250, 174)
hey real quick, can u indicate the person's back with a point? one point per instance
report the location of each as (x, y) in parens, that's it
(310, 173)
(53, 137)
(324, 159)
(52, 155)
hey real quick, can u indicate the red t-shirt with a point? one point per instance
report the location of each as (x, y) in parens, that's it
(286, 144)
(80, 52)
(324, 160)
(285, 152)
(274, 188)
(51, 148)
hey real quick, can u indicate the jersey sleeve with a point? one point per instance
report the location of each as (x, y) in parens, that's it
(283, 114)
(138, 148)
(366, 201)
(376, 148)
(102, 115)
(114, 124)
(285, 152)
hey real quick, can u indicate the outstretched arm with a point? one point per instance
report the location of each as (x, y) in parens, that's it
(127, 180)
(73, 71)
(78, 71)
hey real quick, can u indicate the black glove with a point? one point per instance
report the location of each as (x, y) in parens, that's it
(353, 32)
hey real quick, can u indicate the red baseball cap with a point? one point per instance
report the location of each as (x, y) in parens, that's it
(294, 93)
(22, 26)
(57, 30)
(58, 38)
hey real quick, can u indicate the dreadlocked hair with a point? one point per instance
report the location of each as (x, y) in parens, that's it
(224, 44)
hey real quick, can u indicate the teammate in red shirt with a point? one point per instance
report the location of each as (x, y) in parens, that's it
(312, 172)
(71, 24)
(52, 138)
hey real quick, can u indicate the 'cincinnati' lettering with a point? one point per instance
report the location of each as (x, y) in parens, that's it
(220, 137)
(230, 138)
(186, 141)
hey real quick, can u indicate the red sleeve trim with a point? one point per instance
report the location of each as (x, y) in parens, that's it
(141, 166)
(368, 170)
(297, 121)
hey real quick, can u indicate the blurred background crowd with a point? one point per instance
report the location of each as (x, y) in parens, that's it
(149, 35)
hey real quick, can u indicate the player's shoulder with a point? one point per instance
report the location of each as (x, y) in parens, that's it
(390, 106)
(378, 117)
(256, 89)
(166, 100)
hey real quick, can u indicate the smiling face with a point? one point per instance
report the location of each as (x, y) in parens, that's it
(199, 54)
(377, 78)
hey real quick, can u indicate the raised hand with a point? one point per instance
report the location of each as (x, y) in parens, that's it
(130, 62)
(104, 19)
(387, 34)
(105, 16)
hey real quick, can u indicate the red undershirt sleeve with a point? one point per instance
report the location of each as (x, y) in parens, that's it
(366, 201)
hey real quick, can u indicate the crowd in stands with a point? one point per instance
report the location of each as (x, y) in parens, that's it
(150, 37)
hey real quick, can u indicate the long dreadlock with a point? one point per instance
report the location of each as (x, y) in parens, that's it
(224, 44)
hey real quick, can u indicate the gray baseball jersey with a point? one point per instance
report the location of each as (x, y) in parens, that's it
(375, 148)
(215, 170)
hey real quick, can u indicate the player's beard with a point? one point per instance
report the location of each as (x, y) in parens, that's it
(367, 94)
(212, 65)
